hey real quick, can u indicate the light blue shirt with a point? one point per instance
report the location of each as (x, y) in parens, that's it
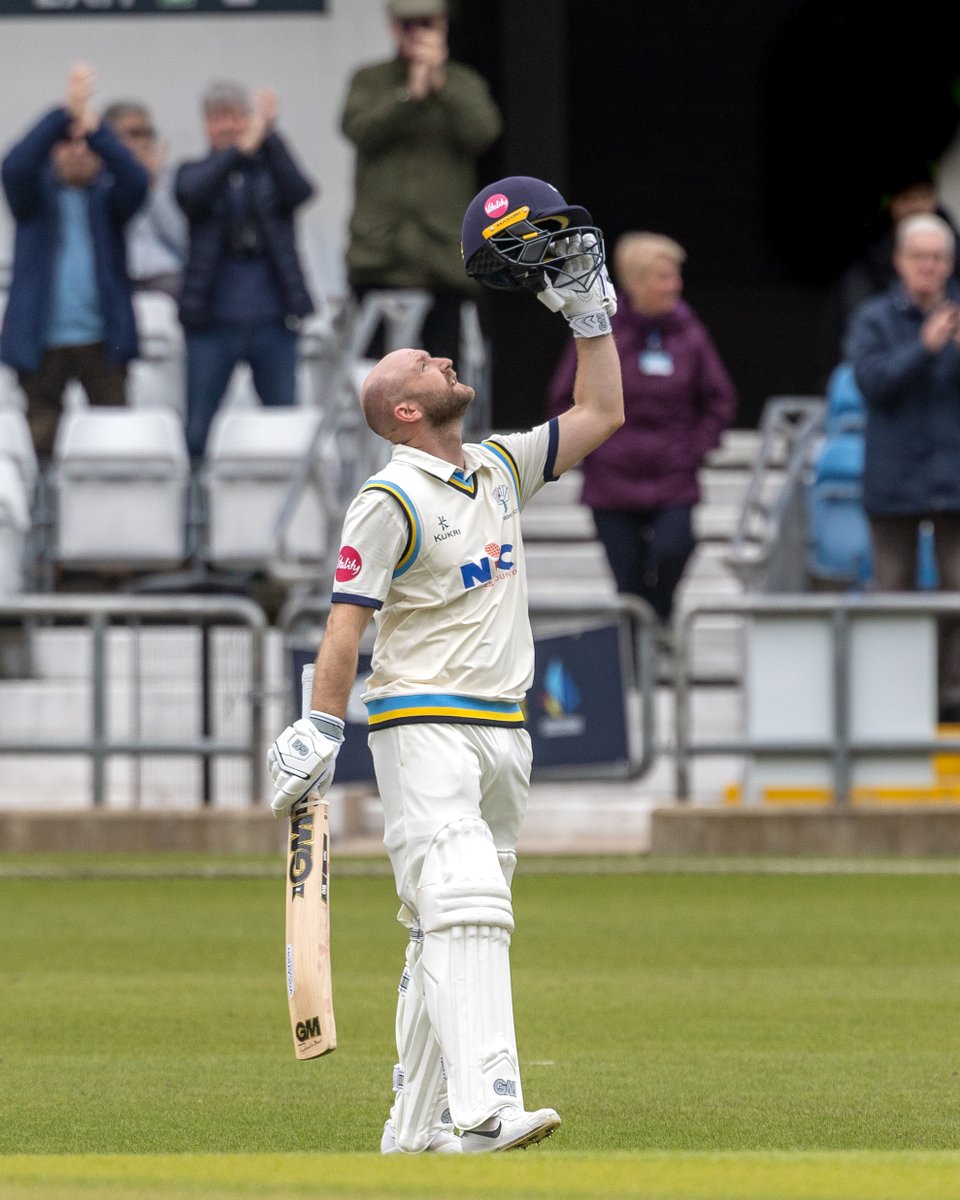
(75, 318)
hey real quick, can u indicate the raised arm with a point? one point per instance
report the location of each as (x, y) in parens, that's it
(597, 410)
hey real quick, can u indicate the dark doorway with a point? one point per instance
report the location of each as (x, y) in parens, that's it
(759, 135)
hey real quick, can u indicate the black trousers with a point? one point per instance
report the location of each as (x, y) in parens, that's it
(102, 379)
(647, 551)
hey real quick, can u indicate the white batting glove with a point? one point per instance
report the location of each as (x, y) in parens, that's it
(587, 310)
(302, 760)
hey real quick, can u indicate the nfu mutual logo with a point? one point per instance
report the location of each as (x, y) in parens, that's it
(495, 564)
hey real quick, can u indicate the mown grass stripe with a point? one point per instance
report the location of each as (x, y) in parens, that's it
(531, 1176)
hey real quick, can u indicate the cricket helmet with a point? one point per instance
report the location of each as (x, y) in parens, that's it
(518, 232)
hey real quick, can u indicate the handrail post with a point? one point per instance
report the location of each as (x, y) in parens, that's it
(681, 700)
(841, 707)
(98, 709)
(257, 735)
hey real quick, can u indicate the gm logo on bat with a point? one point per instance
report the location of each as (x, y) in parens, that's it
(308, 1029)
(301, 852)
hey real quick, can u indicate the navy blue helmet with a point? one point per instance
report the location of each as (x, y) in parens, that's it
(520, 232)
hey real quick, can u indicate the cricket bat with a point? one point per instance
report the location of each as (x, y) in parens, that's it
(309, 980)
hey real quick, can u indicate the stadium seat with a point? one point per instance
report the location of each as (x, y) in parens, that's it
(120, 480)
(839, 529)
(846, 409)
(928, 576)
(16, 445)
(158, 325)
(11, 394)
(253, 458)
(839, 532)
(14, 526)
(158, 375)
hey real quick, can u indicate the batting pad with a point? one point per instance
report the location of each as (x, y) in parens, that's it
(467, 919)
(421, 1104)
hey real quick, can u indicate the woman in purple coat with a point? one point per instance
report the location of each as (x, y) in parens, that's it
(642, 483)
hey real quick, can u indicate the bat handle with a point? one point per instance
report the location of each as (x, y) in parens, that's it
(306, 690)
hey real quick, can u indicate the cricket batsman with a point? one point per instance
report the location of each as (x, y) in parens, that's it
(432, 551)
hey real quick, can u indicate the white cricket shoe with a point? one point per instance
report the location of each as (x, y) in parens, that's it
(443, 1141)
(510, 1129)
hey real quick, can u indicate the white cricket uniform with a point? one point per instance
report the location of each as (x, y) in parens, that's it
(437, 551)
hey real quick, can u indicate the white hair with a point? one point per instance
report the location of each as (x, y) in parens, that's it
(925, 223)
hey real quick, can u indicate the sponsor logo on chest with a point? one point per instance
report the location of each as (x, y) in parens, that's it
(495, 565)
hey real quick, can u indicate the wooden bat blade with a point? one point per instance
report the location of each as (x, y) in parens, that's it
(309, 981)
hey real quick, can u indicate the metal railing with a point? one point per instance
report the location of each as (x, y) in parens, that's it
(769, 549)
(31, 614)
(842, 748)
(638, 648)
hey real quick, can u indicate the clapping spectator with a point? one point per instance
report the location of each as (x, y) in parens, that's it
(72, 188)
(244, 292)
(419, 123)
(905, 350)
(911, 192)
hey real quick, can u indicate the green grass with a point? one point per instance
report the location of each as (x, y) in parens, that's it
(778, 1034)
(678, 1176)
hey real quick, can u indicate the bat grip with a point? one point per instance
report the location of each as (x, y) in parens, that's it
(306, 690)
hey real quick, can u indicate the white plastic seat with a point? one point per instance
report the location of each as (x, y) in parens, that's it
(253, 456)
(155, 383)
(14, 526)
(11, 393)
(120, 480)
(240, 391)
(16, 444)
(158, 375)
(158, 325)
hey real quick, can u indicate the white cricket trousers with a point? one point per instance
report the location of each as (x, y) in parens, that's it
(429, 775)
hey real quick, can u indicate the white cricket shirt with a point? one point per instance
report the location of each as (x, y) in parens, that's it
(437, 551)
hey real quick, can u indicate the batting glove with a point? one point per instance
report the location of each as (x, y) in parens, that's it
(588, 306)
(302, 760)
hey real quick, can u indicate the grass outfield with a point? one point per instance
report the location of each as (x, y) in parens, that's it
(702, 1035)
(679, 1176)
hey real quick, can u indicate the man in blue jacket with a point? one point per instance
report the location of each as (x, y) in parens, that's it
(905, 350)
(244, 292)
(71, 187)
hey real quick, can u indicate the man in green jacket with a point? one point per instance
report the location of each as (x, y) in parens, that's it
(419, 123)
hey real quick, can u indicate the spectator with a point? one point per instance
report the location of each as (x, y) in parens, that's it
(243, 292)
(157, 235)
(912, 190)
(419, 122)
(678, 398)
(72, 188)
(905, 350)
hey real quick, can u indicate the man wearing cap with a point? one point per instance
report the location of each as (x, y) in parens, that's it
(419, 122)
(432, 546)
(72, 188)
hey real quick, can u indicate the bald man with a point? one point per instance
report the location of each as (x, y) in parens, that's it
(432, 547)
